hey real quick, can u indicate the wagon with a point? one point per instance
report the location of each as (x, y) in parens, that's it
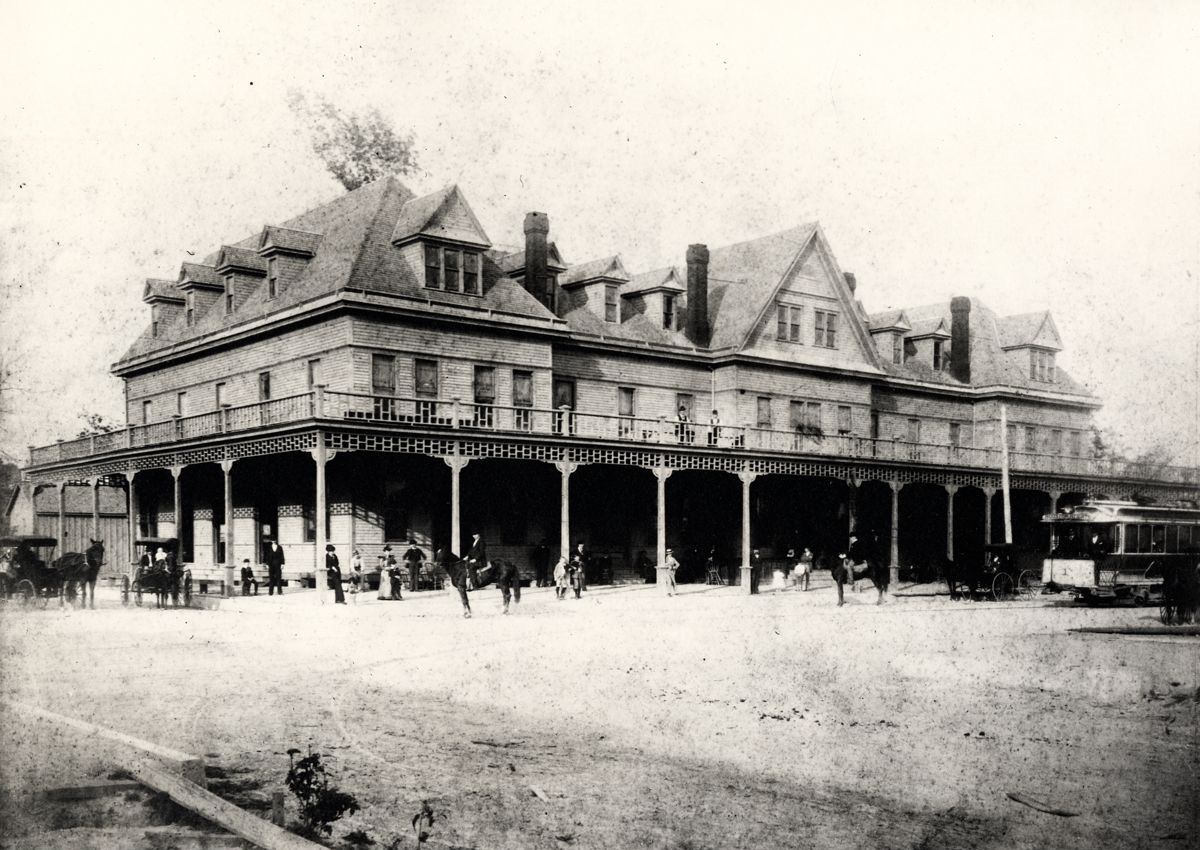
(23, 575)
(1003, 576)
(165, 578)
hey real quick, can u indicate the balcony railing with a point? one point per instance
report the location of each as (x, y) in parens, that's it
(453, 415)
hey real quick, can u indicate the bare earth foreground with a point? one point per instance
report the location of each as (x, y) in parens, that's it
(706, 720)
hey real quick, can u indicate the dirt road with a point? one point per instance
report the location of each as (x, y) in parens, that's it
(706, 720)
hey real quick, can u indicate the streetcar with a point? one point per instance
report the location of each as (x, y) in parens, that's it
(1109, 551)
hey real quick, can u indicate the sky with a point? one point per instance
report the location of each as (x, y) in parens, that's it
(1034, 155)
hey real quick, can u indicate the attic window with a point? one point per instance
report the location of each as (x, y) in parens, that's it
(939, 355)
(190, 310)
(453, 270)
(154, 321)
(787, 323)
(611, 312)
(669, 312)
(228, 293)
(826, 325)
(272, 278)
(897, 349)
(1041, 365)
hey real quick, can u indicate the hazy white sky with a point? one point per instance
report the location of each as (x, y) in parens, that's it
(1035, 155)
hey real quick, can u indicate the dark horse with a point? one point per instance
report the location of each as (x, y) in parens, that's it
(80, 570)
(966, 574)
(504, 573)
(845, 572)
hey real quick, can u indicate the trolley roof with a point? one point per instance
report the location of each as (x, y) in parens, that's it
(1101, 511)
(32, 540)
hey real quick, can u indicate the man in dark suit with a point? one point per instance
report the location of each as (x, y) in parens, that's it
(476, 558)
(585, 566)
(413, 556)
(541, 564)
(275, 561)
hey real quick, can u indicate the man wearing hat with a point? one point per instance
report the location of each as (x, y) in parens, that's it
(670, 565)
(275, 560)
(333, 572)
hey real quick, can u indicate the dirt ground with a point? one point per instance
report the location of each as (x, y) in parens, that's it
(707, 720)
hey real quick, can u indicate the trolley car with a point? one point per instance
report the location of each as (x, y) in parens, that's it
(1107, 551)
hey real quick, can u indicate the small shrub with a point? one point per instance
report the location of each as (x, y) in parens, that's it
(320, 803)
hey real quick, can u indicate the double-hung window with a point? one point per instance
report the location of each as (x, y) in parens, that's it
(612, 312)
(668, 316)
(453, 270)
(522, 399)
(826, 328)
(626, 411)
(787, 323)
(425, 380)
(485, 396)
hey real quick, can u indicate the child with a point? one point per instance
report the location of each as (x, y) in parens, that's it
(560, 579)
(355, 577)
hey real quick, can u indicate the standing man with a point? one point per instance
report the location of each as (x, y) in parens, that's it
(756, 567)
(275, 561)
(584, 565)
(670, 565)
(476, 558)
(714, 429)
(541, 563)
(413, 557)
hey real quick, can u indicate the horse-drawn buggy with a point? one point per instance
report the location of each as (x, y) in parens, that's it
(1004, 572)
(25, 576)
(158, 572)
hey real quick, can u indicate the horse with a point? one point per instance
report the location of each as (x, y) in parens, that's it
(82, 570)
(463, 577)
(873, 568)
(967, 573)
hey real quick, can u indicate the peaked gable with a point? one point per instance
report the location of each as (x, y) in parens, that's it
(605, 268)
(445, 214)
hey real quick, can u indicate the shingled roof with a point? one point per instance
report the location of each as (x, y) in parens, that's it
(603, 268)
(665, 278)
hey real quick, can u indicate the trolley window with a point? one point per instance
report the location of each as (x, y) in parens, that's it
(1131, 538)
(1172, 538)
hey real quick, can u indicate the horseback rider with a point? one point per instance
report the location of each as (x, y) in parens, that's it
(476, 558)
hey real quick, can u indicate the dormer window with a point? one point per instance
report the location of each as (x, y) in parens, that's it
(453, 270)
(154, 321)
(228, 293)
(668, 318)
(939, 355)
(190, 310)
(272, 278)
(611, 309)
(897, 349)
(1041, 365)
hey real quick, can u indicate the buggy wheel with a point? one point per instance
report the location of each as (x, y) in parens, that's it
(26, 591)
(137, 594)
(1029, 584)
(1166, 613)
(125, 591)
(1002, 587)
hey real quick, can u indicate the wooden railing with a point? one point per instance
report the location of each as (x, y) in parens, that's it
(455, 415)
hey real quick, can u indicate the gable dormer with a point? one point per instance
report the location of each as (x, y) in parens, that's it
(201, 288)
(443, 242)
(166, 304)
(658, 295)
(929, 343)
(596, 286)
(1031, 341)
(239, 270)
(888, 331)
(287, 252)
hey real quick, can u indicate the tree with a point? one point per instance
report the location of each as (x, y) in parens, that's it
(356, 147)
(94, 423)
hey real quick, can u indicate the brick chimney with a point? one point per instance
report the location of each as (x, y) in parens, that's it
(537, 279)
(960, 338)
(697, 295)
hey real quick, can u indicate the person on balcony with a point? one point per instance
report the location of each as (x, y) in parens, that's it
(714, 428)
(275, 561)
(684, 432)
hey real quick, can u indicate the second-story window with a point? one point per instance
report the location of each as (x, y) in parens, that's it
(1056, 442)
(220, 395)
(147, 411)
(1030, 439)
(272, 277)
(522, 397)
(914, 430)
(668, 317)
(844, 419)
(763, 418)
(264, 386)
(314, 373)
(826, 329)
(228, 293)
(181, 404)
(189, 313)
(787, 323)
(939, 355)
(425, 380)
(1010, 438)
(897, 349)
(626, 409)
(611, 310)
(1075, 442)
(955, 434)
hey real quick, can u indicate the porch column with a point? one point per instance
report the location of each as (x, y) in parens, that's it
(749, 585)
(320, 456)
(177, 481)
(951, 489)
(95, 482)
(457, 464)
(1054, 495)
(851, 505)
(62, 519)
(227, 474)
(661, 474)
(988, 493)
(565, 467)
(894, 563)
(132, 510)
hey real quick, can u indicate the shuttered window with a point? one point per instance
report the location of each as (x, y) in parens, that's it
(522, 389)
(383, 374)
(425, 375)
(485, 384)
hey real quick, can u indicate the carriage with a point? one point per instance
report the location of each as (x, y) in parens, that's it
(23, 575)
(164, 577)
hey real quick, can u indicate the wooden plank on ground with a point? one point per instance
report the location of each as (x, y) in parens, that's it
(91, 791)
